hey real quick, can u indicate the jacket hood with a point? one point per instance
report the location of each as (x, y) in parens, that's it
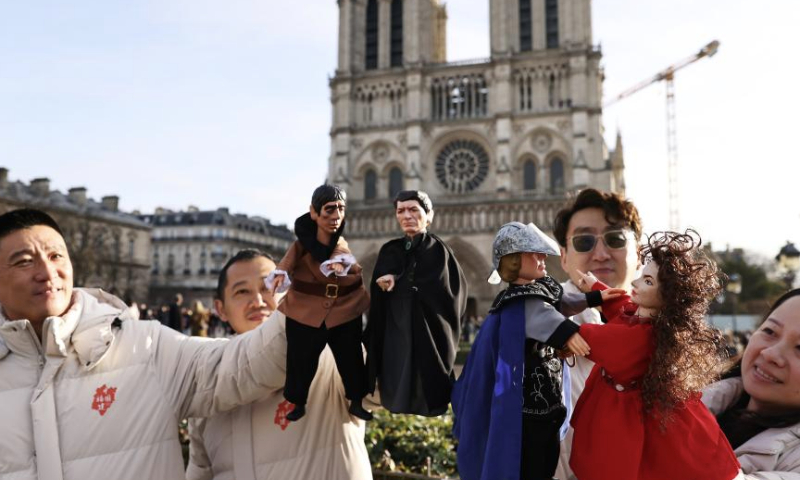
(87, 325)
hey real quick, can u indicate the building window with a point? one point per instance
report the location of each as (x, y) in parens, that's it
(529, 175)
(187, 263)
(117, 247)
(372, 35)
(551, 22)
(395, 181)
(397, 33)
(370, 180)
(556, 175)
(525, 43)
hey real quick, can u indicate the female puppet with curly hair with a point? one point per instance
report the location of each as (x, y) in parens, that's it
(640, 415)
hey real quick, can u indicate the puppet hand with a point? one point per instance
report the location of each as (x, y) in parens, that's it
(578, 345)
(612, 293)
(276, 283)
(585, 281)
(563, 353)
(386, 282)
(337, 268)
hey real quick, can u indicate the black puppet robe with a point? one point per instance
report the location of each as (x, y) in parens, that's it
(413, 331)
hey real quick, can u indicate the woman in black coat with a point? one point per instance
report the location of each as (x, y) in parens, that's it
(419, 295)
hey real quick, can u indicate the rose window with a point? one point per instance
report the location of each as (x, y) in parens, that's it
(462, 165)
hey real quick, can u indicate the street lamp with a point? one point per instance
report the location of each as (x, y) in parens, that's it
(789, 261)
(734, 287)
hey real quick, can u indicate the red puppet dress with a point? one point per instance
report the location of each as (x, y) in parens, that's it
(613, 440)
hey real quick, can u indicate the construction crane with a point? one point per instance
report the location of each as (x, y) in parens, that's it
(668, 75)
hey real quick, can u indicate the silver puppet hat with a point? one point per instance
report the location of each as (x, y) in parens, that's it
(516, 237)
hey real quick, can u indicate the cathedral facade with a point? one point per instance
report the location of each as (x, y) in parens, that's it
(505, 138)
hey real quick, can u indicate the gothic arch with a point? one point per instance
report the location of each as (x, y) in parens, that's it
(367, 261)
(535, 142)
(378, 154)
(384, 171)
(364, 167)
(476, 268)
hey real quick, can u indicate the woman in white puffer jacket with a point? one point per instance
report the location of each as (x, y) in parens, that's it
(759, 411)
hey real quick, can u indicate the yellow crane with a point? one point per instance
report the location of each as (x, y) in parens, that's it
(668, 75)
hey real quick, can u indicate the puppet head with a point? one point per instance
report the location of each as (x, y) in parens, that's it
(327, 193)
(687, 353)
(327, 210)
(414, 211)
(512, 240)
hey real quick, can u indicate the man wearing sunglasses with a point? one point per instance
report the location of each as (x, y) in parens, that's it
(598, 232)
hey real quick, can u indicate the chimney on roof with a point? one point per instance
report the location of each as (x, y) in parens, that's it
(3, 178)
(77, 195)
(110, 203)
(40, 186)
(223, 210)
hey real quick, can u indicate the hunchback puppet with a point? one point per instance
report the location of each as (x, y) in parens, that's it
(325, 300)
(419, 295)
(508, 402)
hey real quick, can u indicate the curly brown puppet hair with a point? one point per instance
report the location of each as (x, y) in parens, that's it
(688, 351)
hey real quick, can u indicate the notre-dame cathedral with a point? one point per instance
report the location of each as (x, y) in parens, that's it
(492, 140)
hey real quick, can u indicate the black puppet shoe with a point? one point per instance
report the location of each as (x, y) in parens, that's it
(358, 411)
(296, 414)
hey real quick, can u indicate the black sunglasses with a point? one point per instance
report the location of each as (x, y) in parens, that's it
(585, 242)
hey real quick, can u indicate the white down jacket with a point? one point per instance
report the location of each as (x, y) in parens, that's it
(256, 442)
(101, 396)
(773, 454)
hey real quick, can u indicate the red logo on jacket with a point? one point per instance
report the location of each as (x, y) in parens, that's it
(103, 398)
(280, 414)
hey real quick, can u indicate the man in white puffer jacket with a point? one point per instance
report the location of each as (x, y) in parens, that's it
(86, 391)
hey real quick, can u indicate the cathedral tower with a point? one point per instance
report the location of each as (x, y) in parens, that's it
(491, 140)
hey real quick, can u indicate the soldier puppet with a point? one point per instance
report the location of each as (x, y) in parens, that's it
(508, 401)
(324, 303)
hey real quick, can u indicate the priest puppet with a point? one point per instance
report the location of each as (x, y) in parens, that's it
(324, 303)
(419, 295)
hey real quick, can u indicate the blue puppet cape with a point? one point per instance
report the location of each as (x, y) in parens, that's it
(487, 399)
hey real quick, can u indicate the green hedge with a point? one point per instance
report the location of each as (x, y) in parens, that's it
(405, 442)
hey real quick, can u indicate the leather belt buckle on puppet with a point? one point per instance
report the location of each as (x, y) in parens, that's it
(331, 290)
(328, 290)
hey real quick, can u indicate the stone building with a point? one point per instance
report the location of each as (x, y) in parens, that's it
(190, 247)
(109, 249)
(492, 140)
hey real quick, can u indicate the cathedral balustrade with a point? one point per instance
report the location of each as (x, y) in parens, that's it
(379, 103)
(373, 221)
(541, 87)
(459, 93)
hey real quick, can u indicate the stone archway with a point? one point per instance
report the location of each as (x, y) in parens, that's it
(477, 269)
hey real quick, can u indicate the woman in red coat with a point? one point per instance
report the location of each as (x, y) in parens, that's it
(640, 415)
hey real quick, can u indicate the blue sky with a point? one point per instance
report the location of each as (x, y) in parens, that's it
(175, 103)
